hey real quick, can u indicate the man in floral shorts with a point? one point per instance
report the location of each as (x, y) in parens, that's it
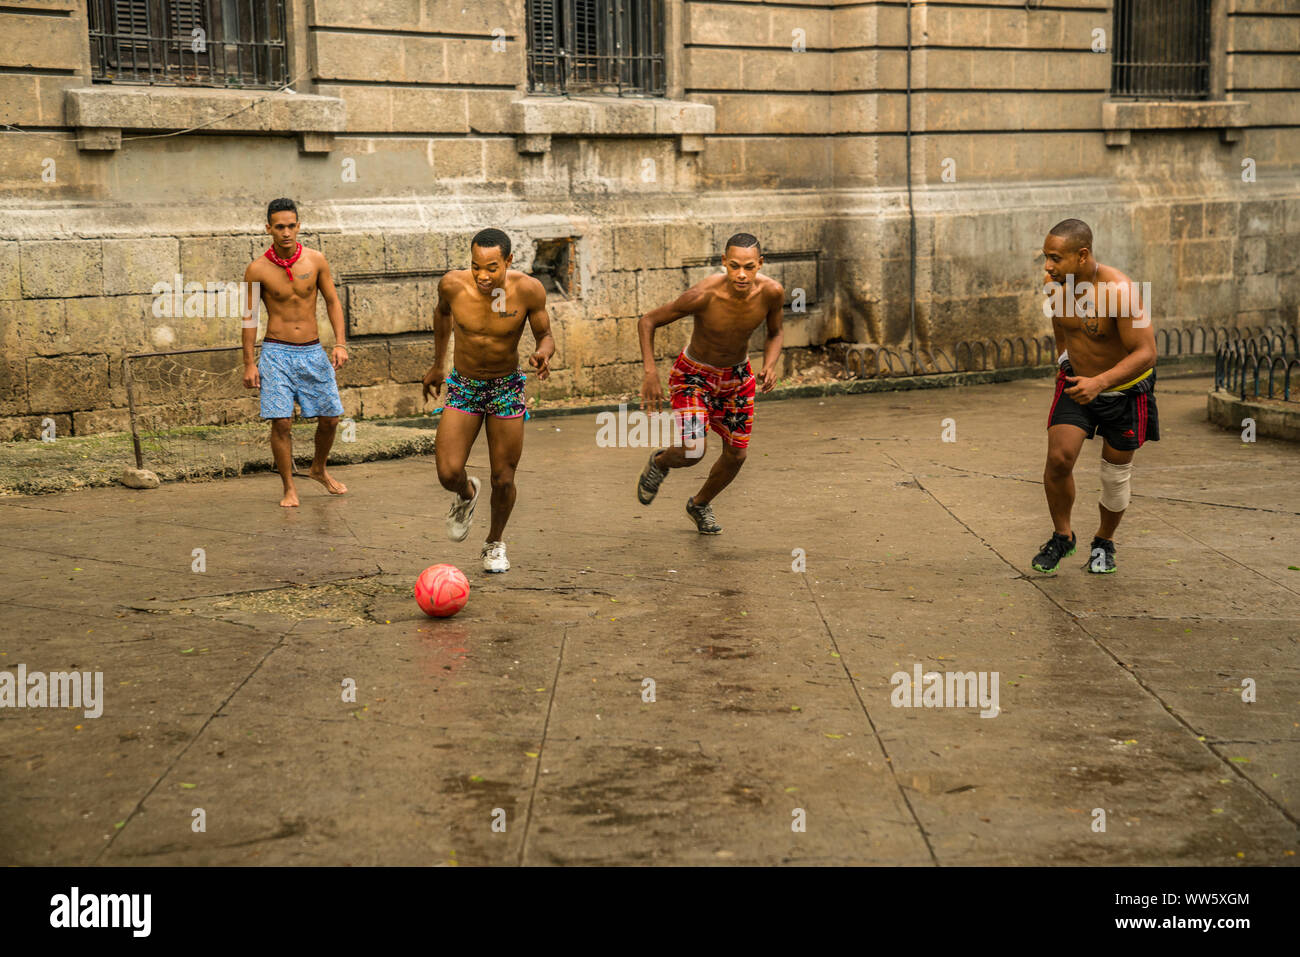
(488, 304)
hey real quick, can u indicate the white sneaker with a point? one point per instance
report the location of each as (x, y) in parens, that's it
(461, 514)
(494, 557)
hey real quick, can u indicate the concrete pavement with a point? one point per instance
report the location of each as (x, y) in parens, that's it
(521, 731)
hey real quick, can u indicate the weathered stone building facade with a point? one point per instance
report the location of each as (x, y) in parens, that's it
(412, 124)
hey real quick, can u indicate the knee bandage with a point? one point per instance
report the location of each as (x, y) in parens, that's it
(1114, 485)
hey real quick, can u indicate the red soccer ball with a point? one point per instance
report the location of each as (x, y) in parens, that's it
(441, 590)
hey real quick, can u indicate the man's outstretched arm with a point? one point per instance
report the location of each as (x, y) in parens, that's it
(689, 303)
(540, 324)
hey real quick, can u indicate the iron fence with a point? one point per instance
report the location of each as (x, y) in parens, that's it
(596, 46)
(1242, 363)
(223, 43)
(1161, 49)
(865, 360)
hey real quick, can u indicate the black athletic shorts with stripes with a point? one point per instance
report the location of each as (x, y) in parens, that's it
(1125, 417)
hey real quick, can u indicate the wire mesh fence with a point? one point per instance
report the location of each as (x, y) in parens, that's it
(176, 401)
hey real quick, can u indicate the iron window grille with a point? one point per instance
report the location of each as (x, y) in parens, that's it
(1161, 50)
(596, 46)
(224, 43)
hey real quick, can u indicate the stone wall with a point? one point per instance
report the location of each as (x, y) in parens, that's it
(411, 129)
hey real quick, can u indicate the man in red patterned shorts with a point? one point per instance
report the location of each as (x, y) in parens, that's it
(711, 383)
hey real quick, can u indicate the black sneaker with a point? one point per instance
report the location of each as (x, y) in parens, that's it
(1101, 557)
(703, 516)
(652, 476)
(1050, 555)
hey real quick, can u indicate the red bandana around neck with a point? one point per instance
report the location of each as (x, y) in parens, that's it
(285, 264)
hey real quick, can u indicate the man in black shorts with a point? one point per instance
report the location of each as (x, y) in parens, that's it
(1106, 384)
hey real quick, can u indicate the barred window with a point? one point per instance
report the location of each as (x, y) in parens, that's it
(1162, 49)
(596, 46)
(225, 43)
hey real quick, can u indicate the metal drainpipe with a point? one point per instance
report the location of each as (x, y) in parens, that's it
(911, 212)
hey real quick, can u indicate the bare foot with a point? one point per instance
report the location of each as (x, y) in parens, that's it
(290, 499)
(332, 485)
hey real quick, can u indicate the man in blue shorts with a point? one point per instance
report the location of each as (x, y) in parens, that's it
(293, 366)
(488, 304)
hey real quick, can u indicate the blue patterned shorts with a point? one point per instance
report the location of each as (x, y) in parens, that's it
(502, 397)
(290, 372)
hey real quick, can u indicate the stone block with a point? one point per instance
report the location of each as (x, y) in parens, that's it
(1204, 259)
(639, 246)
(500, 163)
(558, 385)
(373, 104)
(32, 326)
(591, 342)
(415, 252)
(411, 358)
(360, 56)
(614, 294)
(390, 307)
(658, 287)
(206, 259)
(31, 426)
(389, 399)
(137, 265)
(622, 378)
(1219, 220)
(1251, 256)
(425, 110)
(1258, 292)
(1256, 219)
(367, 364)
(1186, 221)
(353, 253)
(67, 383)
(377, 14)
(62, 268)
(99, 421)
(106, 324)
(479, 61)
(351, 399)
(42, 43)
(687, 240)
(13, 385)
(11, 286)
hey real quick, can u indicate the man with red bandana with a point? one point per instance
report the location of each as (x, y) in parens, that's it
(293, 366)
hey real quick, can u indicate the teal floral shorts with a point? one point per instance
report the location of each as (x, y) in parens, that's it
(502, 397)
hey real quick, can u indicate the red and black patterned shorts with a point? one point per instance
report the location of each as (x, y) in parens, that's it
(723, 397)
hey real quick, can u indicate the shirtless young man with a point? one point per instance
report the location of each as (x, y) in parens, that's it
(711, 381)
(292, 364)
(488, 304)
(1106, 384)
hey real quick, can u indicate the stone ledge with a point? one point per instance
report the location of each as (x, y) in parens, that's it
(1119, 118)
(1273, 418)
(536, 119)
(91, 109)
